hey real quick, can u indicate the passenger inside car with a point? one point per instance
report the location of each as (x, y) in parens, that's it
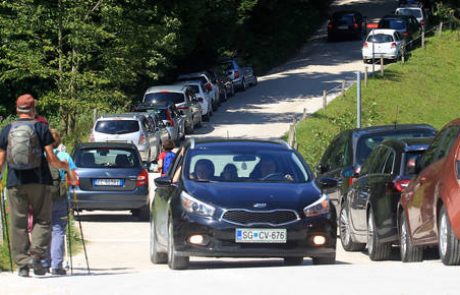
(264, 168)
(229, 173)
(204, 170)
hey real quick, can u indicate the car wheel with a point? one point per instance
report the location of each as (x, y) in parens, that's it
(323, 260)
(293, 260)
(199, 124)
(345, 233)
(206, 117)
(189, 129)
(233, 90)
(156, 257)
(244, 85)
(375, 248)
(174, 261)
(143, 214)
(409, 253)
(449, 246)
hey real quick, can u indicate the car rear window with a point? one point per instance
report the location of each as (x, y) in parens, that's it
(380, 38)
(368, 142)
(117, 126)
(201, 79)
(163, 97)
(407, 11)
(392, 23)
(103, 157)
(344, 19)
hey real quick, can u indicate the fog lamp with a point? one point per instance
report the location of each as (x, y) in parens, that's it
(197, 240)
(319, 240)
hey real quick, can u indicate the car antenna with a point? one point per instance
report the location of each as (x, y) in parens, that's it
(397, 114)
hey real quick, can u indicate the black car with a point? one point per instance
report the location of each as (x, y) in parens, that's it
(407, 25)
(346, 24)
(110, 177)
(241, 198)
(369, 213)
(348, 151)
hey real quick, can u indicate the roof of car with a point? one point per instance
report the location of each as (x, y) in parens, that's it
(167, 88)
(150, 106)
(223, 142)
(104, 144)
(191, 75)
(376, 129)
(410, 144)
(134, 115)
(382, 31)
(342, 12)
(189, 82)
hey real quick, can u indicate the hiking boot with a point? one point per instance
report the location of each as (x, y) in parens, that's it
(58, 271)
(24, 272)
(39, 270)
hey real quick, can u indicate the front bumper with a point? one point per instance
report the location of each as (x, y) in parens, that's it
(220, 237)
(110, 200)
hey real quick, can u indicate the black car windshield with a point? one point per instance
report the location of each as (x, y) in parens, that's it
(245, 165)
(117, 126)
(368, 142)
(393, 23)
(164, 97)
(103, 157)
(380, 38)
(407, 11)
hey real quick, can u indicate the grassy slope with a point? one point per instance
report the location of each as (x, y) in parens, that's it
(425, 89)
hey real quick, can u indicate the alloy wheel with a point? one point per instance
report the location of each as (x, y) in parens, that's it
(370, 233)
(344, 229)
(443, 235)
(403, 236)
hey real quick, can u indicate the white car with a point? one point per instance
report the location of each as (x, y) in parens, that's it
(203, 96)
(213, 89)
(417, 12)
(386, 43)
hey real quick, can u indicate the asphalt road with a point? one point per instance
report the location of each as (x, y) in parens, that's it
(118, 244)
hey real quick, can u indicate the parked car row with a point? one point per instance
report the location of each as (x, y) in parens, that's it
(397, 185)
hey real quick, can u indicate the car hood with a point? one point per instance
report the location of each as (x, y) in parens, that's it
(267, 196)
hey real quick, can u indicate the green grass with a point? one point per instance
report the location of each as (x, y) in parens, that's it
(425, 89)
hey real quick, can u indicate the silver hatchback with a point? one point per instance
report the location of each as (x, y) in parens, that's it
(129, 128)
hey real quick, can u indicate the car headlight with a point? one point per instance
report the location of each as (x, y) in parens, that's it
(192, 205)
(320, 207)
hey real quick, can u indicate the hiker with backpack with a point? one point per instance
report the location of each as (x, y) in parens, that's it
(23, 144)
(166, 157)
(58, 191)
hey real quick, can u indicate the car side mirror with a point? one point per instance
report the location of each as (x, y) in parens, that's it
(164, 181)
(320, 168)
(327, 182)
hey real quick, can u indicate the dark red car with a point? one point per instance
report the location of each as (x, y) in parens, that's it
(346, 24)
(430, 206)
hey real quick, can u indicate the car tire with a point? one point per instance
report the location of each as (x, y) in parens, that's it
(199, 124)
(156, 257)
(345, 233)
(449, 245)
(206, 117)
(375, 248)
(409, 253)
(174, 261)
(244, 86)
(293, 260)
(323, 260)
(189, 129)
(233, 90)
(143, 214)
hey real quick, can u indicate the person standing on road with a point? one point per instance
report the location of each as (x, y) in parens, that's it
(23, 144)
(166, 157)
(58, 192)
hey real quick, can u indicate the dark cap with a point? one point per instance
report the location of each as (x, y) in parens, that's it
(25, 103)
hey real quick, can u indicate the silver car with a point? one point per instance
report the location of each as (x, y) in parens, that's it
(184, 99)
(129, 128)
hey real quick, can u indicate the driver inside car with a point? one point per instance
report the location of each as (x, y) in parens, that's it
(264, 168)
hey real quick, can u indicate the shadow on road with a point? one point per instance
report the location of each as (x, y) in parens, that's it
(111, 217)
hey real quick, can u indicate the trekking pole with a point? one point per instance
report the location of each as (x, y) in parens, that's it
(69, 236)
(5, 225)
(80, 227)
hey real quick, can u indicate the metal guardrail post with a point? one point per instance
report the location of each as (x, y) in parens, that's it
(324, 99)
(358, 99)
(440, 28)
(381, 66)
(343, 87)
(423, 38)
(365, 75)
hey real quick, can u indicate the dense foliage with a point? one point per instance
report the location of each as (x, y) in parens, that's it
(79, 55)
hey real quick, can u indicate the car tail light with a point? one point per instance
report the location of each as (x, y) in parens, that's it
(405, 34)
(400, 185)
(170, 119)
(75, 177)
(393, 45)
(373, 26)
(356, 25)
(208, 86)
(422, 23)
(142, 178)
(365, 44)
(237, 74)
(91, 137)
(142, 138)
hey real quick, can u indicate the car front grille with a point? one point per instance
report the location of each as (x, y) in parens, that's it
(247, 217)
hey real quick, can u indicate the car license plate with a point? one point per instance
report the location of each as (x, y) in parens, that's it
(108, 182)
(343, 27)
(260, 235)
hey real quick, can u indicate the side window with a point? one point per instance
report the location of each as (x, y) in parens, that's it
(177, 162)
(431, 155)
(388, 169)
(146, 125)
(326, 161)
(335, 156)
(447, 142)
(379, 161)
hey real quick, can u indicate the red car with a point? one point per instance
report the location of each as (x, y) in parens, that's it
(430, 206)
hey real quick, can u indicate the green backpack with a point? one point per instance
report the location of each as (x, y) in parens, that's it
(58, 189)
